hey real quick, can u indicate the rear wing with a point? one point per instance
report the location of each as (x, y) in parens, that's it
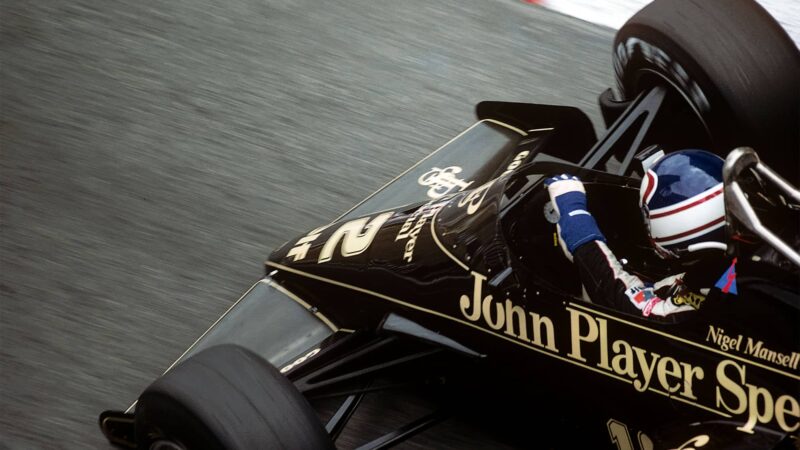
(739, 210)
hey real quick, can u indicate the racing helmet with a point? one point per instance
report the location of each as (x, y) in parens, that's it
(681, 197)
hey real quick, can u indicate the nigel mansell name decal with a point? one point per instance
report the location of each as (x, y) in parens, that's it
(751, 347)
(607, 345)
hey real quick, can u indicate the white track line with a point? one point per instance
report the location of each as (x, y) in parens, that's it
(614, 13)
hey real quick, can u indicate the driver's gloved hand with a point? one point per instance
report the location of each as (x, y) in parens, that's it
(576, 226)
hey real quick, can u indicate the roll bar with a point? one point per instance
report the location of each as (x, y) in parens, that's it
(737, 205)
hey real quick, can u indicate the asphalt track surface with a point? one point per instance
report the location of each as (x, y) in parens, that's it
(153, 153)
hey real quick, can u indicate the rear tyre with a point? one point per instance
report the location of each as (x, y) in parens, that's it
(226, 397)
(730, 60)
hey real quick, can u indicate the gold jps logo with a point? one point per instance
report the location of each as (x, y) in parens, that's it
(443, 181)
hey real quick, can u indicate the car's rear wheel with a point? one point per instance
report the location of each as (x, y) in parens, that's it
(731, 62)
(226, 397)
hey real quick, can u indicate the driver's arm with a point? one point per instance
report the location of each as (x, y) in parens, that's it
(602, 275)
(608, 283)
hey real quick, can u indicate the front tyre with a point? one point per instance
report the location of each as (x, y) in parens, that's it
(733, 64)
(226, 397)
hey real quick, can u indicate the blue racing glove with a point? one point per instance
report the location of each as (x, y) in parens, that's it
(576, 226)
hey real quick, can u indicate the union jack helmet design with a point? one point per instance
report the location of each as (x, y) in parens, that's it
(682, 202)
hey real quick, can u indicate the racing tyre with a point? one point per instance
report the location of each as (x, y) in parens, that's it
(226, 397)
(732, 62)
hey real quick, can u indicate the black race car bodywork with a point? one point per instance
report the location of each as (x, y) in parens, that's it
(482, 268)
(458, 257)
(451, 275)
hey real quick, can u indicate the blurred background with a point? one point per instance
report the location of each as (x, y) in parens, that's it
(153, 153)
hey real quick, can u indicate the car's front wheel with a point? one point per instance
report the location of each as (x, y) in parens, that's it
(226, 397)
(731, 62)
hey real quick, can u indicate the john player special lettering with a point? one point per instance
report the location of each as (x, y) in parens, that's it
(605, 345)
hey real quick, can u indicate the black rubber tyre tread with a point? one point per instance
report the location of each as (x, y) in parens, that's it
(227, 397)
(740, 58)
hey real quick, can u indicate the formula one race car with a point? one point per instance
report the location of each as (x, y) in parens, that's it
(450, 278)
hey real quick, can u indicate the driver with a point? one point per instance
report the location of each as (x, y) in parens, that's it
(682, 203)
